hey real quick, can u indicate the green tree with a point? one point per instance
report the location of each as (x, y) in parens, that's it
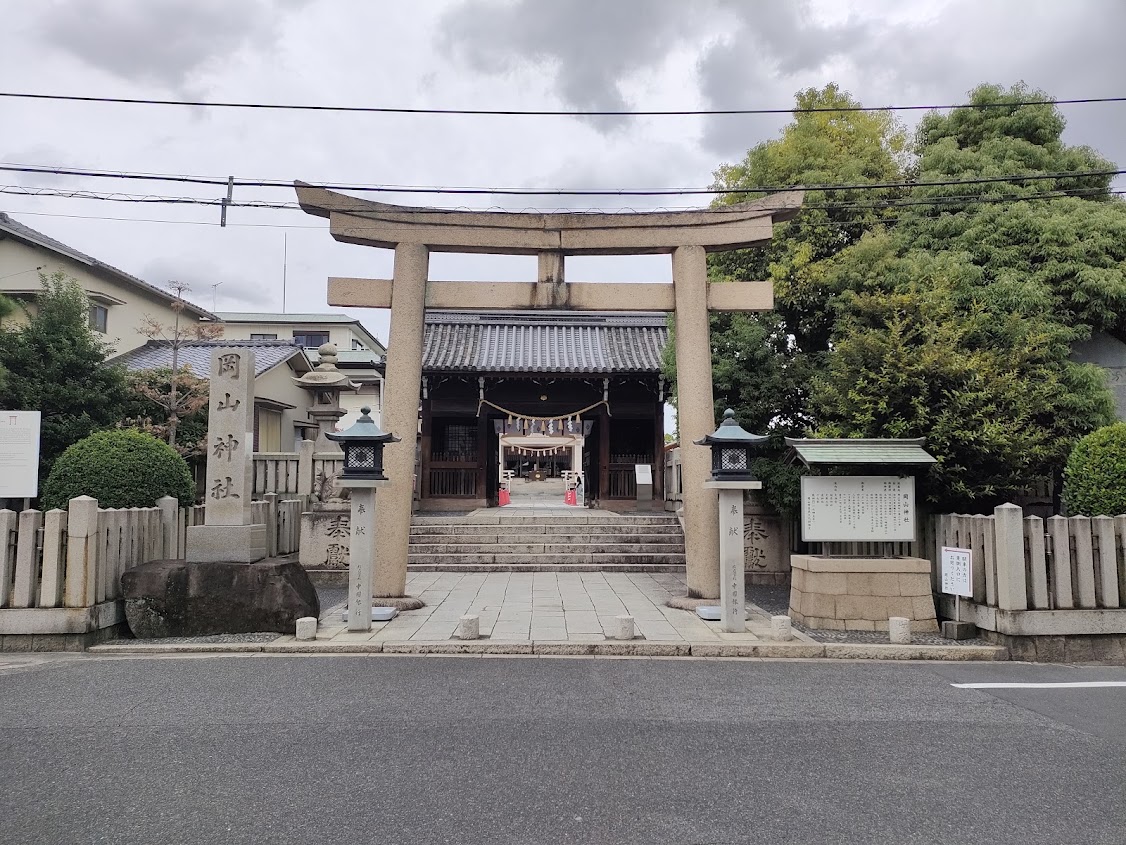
(1095, 478)
(121, 469)
(56, 364)
(957, 324)
(763, 362)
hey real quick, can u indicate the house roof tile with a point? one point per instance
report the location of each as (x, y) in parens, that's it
(157, 354)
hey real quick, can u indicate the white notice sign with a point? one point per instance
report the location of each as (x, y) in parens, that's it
(19, 454)
(845, 508)
(957, 572)
(643, 473)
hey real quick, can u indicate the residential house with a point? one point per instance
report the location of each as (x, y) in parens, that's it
(280, 407)
(119, 302)
(359, 352)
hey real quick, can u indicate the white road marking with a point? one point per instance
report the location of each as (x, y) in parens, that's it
(1061, 685)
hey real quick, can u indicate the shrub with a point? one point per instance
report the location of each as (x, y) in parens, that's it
(1095, 477)
(121, 469)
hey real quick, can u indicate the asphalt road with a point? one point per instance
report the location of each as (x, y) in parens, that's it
(355, 749)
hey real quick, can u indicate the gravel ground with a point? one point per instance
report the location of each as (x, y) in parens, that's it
(776, 600)
(330, 597)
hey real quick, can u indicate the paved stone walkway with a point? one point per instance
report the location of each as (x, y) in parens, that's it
(546, 606)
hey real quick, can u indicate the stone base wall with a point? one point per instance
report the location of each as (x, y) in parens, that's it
(62, 642)
(860, 594)
(1093, 648)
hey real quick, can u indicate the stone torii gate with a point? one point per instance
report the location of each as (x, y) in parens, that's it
(416, 232)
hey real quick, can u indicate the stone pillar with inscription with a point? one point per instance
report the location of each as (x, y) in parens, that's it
(227, 532)
(732, 584)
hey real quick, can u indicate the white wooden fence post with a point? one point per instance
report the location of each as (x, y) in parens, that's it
(81, 552)
(1012, 582)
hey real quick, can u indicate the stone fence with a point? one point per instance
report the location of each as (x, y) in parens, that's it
(60, 571)
(294, 473)
(1037, 577)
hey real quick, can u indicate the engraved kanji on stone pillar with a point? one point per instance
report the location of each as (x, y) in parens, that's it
(230, 437)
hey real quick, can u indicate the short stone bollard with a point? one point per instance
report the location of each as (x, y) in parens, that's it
(899, 630)
(623, 628)
(469, 627)
(781, 628)
(307, 628)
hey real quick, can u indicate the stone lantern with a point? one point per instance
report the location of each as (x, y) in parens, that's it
(326, 383)
(363, 444)
(732, 449)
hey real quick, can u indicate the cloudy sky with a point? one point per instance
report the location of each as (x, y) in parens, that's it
(490, 54)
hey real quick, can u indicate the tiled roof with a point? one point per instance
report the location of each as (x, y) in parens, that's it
(823, 451)
(26, 233)
(543, 342)
(157, 354)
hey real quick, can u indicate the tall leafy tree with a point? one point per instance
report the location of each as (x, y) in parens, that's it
(56, 364)
(957, 324)
(763, 362)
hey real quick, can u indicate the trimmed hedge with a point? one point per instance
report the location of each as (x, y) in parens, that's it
(1095, 477)
(121, 468)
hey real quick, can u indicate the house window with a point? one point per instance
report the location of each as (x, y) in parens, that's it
(98, 315)
(263, 336)
(310, 340)
(356, 345)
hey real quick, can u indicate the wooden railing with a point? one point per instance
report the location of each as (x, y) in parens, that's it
(622, 482)
(453, 482)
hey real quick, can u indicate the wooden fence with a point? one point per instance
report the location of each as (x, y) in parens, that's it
(1060, 575)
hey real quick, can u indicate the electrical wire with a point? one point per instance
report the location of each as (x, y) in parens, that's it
(498, 191)
(144, 101)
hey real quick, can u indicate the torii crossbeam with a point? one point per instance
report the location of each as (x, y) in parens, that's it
(416, 232)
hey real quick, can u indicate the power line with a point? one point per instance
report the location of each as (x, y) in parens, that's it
(498, 191)
(935, 201)
(142, 101)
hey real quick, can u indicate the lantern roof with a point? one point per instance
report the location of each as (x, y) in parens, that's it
(363, 429)
(730, 433)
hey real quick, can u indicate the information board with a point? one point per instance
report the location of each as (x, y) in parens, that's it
(957, 572)
(846, 508)
(643, 473)
(19, 454)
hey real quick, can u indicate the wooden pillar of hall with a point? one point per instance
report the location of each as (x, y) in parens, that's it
(400, 417)
(659, 457)
(696, 417)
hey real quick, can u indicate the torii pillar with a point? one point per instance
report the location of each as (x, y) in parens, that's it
(415, 232)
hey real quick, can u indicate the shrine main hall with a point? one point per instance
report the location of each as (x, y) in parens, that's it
(527, 398)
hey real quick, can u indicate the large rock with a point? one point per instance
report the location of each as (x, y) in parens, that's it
(175, 598)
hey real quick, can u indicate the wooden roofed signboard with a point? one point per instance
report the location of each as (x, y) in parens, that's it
(843, 508)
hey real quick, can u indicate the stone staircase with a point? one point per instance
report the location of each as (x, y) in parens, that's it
(567, 541)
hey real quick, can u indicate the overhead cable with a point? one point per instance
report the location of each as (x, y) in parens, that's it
(215, 104)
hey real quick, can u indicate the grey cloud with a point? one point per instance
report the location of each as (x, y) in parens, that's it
(162, 41)
(201, 276)
(589, 47)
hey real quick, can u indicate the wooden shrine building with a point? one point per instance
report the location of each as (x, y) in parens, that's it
(541, 392)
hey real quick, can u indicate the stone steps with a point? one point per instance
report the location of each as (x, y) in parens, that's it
(564, 543)
(547, 539)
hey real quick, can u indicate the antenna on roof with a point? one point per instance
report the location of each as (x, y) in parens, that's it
(214, 289)
(285, 264)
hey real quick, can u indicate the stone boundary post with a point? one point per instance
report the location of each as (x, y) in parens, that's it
(169, 517)
(305, 480)
(1012, 582)
(81, 553)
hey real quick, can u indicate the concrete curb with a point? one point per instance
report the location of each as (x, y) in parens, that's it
(609, 648)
